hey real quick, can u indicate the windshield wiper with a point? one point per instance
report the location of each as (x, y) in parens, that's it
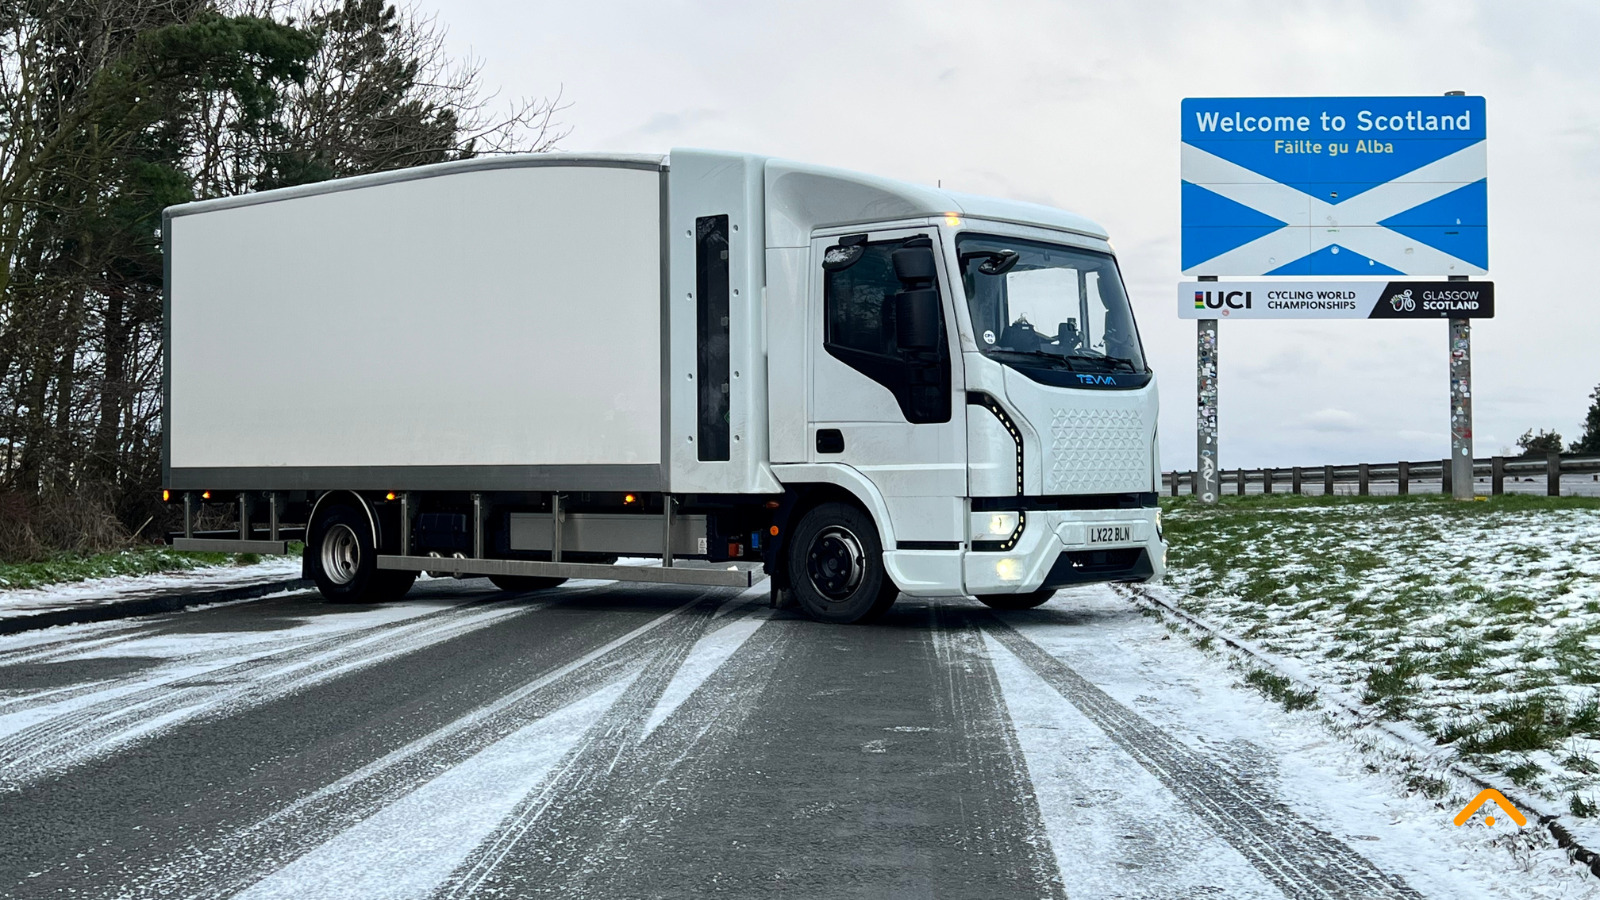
(1112, 361)
(1066, 362)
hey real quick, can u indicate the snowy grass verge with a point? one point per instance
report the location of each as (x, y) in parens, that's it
(72, 568)
(1397, 749)
(1476, 623)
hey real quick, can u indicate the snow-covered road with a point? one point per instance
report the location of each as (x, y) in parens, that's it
(602, 741)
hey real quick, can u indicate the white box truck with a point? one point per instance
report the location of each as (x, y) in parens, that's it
(525, 367)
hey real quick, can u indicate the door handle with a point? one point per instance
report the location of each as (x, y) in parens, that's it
(830, 440)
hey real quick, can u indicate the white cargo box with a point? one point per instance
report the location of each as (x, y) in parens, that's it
(505, 318)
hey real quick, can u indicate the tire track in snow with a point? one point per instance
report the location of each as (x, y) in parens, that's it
(709, 802)
(249, 854)
(1296, 857)
(584, 773)
(988, 747)
(620, 774)
(235, 650)
(79, 735)
(110, 634)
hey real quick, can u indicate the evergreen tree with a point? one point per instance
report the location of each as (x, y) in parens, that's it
(1539, 444)
(1589, 441)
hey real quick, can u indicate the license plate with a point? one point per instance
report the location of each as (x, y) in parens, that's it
(1110, 534)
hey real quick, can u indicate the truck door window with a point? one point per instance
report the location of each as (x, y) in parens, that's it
(859, 328)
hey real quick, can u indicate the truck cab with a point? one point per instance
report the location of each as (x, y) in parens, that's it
(1010, 450)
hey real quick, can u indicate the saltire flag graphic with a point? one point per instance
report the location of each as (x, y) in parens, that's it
(1335, 186)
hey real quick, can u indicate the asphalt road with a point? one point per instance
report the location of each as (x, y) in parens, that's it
(613, 741)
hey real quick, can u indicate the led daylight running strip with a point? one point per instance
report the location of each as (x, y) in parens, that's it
(993, 406)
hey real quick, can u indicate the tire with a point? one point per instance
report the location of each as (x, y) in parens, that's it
(521, 584)
(392, 584)
(835, 564)
(1017, 601)
(344, 561)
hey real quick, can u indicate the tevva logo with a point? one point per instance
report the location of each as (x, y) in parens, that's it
(1485, 797)
(1097, 379)
(1219, 299)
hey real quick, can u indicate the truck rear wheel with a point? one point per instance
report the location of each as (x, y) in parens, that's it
(344, 560)
(1017, 601)
(524, 583)
(835, 565)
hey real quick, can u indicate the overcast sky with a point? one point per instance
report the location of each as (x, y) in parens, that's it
(1076, 105)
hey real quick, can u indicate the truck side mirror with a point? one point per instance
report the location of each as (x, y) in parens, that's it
(915, 264)
(844, 254)
(916, 308)
(916, 319)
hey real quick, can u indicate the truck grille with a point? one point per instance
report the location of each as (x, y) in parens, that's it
(1097, 451)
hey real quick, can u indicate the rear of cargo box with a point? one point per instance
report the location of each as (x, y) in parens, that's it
(488, 327)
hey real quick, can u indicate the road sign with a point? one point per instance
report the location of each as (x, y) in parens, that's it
(1336, 300)
(1335, 186)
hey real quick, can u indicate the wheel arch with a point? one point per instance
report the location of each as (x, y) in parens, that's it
(809, 485)
(356, 500)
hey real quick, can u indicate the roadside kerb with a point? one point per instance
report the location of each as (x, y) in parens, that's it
(1341, 707)
(165, 601)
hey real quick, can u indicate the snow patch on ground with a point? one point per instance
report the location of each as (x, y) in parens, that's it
(411, 846)
(119, 588)
(1196, 698)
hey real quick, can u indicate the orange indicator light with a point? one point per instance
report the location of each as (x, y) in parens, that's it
(166, 495)
(773, 531)
(205, 495)
(629, 498)
(389, 496)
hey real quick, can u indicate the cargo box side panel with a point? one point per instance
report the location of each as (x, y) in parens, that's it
(506, 320)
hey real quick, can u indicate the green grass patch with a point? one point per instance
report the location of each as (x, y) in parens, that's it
(70, 568)
(1281, 689)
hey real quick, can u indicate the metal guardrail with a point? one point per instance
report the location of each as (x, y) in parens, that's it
(1403, 473)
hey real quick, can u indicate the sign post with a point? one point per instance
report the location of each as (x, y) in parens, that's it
(1461, 480)
(1340, 187)
(1208, 477)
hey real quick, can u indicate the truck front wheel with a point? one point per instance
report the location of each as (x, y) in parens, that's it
(344, 561)
(836, 565)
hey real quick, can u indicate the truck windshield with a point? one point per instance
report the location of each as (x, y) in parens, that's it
(1052, 306)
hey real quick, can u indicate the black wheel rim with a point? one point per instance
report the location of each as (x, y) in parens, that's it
(835, 563)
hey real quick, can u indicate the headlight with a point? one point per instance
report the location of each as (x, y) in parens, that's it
(994, 526)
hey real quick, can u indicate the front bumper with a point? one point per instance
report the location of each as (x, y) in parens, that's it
(1055, 550)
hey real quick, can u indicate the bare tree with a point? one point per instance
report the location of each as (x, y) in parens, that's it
(111, 110)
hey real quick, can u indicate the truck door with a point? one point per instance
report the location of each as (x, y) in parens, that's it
(897, 414)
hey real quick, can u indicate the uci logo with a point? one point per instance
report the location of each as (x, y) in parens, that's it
(1219, 299)
(1097, 379)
